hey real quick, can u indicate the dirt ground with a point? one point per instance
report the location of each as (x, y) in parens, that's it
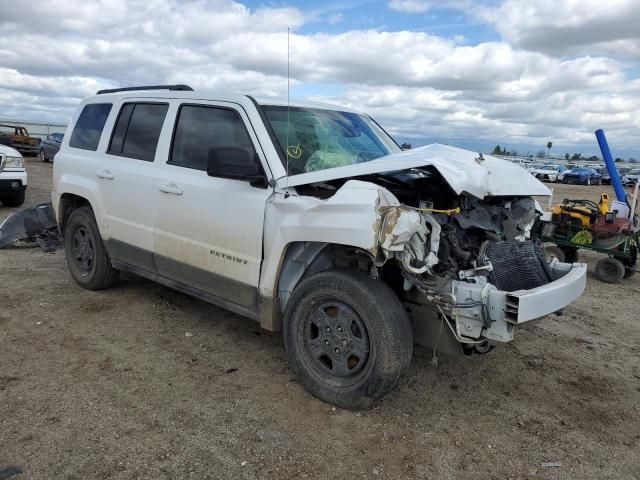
(109, 385)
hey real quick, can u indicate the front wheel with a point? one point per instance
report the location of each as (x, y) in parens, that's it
(43, 157)
(348, 337)
(588, 183)
(87, 258)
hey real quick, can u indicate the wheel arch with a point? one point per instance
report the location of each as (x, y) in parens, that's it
(67, 204)
(303, 258)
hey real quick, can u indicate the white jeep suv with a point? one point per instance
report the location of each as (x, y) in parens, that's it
(13, 177)
(307, 218)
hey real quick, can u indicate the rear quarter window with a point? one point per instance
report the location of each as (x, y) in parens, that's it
(88, 128)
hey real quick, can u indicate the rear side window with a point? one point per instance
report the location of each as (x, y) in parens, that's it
(86, 133)
(137, 130)
(201, 128)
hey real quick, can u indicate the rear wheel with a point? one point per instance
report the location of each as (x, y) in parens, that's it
(87, 258)
(348, 337)
(14, 200)
(610, 270)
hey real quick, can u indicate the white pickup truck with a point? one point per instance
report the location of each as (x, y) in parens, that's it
(13, 177)
(310, 219)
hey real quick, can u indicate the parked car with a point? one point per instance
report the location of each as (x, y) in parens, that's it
(311, 219)
(50, 146)
(13, 177)
(631, 177)
(18, 138)
(530, 167)
(550, 173)
(583, 176)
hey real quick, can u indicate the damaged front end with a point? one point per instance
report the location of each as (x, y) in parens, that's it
(471, 270)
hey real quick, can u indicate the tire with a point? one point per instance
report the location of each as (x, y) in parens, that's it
(553, 251)
(599, 182)
(610, 270)
(14, 200)
(43, 157)
(87, 258)
(588, 184)
(348, 337)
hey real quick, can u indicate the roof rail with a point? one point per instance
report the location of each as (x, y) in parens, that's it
(184, 88)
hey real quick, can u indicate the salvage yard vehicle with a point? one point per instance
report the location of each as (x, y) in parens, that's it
(582, 176)
(18, 138)
(13, 177)
(310, 219)
(631, 177)
(550, 172)
(50, 146)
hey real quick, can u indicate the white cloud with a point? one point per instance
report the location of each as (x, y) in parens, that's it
(419, 85)
(568, 27)
(410, 6)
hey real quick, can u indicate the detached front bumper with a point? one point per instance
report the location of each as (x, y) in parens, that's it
(526, 305)
(508, 309)
(489, 316)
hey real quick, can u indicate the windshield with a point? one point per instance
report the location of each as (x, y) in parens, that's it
(551, 167)
(635, 171)
(581, 170)
(319, 139)
(57, 137)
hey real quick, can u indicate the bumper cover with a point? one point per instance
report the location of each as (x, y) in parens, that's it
(525, 305)
(8, 179)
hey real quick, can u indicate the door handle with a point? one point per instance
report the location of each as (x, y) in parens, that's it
(106, 174)
(170, 188)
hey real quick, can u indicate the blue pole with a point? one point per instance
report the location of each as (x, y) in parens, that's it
(611, 166)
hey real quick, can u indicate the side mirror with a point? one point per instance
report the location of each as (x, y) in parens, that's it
(236, 164)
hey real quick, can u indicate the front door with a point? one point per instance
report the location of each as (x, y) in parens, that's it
(208, 231)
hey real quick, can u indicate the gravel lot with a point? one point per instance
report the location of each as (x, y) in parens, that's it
(108, 385)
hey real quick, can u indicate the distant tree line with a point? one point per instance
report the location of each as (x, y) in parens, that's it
(498, 150)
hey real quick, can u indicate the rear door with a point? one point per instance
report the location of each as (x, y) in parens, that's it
(125, 174)
(208, 231)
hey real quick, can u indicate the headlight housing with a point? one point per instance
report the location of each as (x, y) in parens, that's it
(12, 162)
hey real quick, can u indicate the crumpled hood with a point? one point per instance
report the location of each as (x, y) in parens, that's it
(8, 151)
(462, 170)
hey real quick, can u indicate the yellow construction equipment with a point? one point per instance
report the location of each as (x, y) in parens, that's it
(580, 212)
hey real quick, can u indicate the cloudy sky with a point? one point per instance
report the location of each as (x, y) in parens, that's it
(473, 73)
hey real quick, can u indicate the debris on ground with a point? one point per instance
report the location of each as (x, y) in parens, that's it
(9, 472)
(35, 224)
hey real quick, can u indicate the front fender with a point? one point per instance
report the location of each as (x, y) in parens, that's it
(351, 217)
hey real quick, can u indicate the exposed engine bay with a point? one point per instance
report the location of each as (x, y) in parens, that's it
(451, 251)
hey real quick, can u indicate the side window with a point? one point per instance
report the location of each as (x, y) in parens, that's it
(200, 128)
(86, 133)
(137, 130)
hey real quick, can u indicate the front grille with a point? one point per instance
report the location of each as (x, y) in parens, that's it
(517, 265)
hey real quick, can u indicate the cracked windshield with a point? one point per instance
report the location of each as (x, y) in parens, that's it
(319, 139)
